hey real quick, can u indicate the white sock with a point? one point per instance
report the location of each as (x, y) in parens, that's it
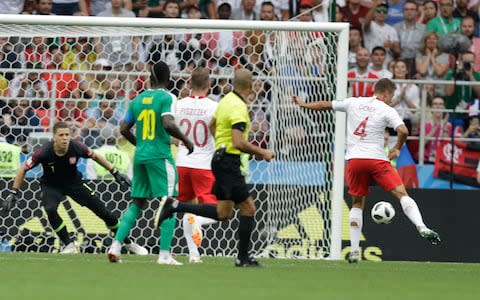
(187, 233)
(116, 247)
(356, 215)
(411, 210)
(205, 221)
(164, 254)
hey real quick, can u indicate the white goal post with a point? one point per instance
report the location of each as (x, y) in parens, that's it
(299, 195)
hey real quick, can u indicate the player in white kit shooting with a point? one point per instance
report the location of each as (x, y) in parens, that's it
(195, 178)
(367, 118)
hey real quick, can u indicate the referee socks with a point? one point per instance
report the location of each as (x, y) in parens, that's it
(208, 211)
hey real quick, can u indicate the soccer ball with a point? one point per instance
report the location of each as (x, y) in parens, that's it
(382, 212)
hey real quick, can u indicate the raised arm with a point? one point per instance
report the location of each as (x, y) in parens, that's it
(12, 197)
(120, 178)
(19, 178)
(369, 16)
(102, 161)
(317, 105)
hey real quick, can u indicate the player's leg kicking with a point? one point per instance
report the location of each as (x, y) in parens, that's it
(359, 174)
(195, 186)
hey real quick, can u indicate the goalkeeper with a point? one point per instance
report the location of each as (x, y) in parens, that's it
(61, 178)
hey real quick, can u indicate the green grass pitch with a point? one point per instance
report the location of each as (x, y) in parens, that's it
(51, 276)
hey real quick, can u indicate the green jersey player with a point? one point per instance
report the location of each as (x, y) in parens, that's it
(154, 171)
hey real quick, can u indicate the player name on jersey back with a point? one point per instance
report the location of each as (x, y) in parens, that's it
(367, 118)
(188, 111)
(193, 116)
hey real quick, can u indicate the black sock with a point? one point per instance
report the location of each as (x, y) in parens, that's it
(58, 225)
(208, 211)
(245, 229)
(64, 236)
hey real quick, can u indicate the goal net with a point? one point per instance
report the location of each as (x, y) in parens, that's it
(84, 71)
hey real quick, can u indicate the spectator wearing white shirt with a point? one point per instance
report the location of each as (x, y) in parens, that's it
(245, 11)
(97, 6)
(410, 33)
(378, 33)
(11, 6)
(321, 10)
(117, 49)
(378, 63)
(280, 7)
(267, 12)
(222, 47)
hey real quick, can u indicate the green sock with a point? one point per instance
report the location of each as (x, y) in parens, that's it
(166, 233)
(127, 222)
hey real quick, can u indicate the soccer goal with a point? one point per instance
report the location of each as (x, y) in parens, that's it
(85, 70)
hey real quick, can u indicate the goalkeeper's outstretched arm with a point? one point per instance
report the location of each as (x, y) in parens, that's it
(317, 105)
(120, 178)
(9, 202)
(102, 161)
(19, 178)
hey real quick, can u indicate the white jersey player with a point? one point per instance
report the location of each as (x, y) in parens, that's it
(195, 178)
(363, 113)
(367, 118)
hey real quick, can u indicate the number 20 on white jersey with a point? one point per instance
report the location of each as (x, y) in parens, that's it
(193, 115)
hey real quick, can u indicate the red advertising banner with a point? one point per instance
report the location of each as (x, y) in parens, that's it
(465, 162)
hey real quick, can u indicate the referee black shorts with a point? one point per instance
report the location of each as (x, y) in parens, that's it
(229, 182)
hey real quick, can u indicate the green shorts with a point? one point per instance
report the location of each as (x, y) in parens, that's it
(154, 179)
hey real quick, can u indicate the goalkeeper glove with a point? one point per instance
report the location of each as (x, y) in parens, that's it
(120, 178)
(10, 201)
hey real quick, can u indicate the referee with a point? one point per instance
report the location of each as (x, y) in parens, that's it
(230, 126)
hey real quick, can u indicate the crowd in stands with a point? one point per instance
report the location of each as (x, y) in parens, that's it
(394, 39)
